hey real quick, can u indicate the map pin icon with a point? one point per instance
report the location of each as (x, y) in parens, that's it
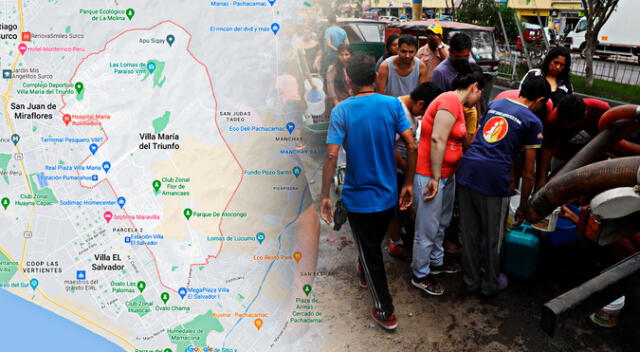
(275, 28)
(93, 148)
(33, 283)
(15, 138)
(296, 171)
(164, 296)
(258, 323)
(290, 127)
(22, 48)
(306, 289)
(66, 118)
(121, 202)
(271, 2)
(297, 256)
(171, 39)
(106, 166)
(108, 216)
(182, 292)
(156, 185)
(151, 67)
(260, 237)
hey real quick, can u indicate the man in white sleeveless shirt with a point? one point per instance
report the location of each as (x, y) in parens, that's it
(400, 74)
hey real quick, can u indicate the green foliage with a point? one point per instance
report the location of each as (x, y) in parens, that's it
(618, 91)
(485, 13)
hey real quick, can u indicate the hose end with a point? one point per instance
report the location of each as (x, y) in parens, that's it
(538, 207)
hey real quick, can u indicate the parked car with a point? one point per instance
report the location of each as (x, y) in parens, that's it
(365, 35)
(370, 15)
(552, 37)
(389, 18)
(532, 35)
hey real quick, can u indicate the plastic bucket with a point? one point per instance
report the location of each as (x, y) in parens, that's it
(608, 315)
(548, 224)
(565, 230)
(315, 98)
(315, 102)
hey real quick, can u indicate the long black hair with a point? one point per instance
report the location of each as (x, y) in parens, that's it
(553, 53)
(390, 39)
(339, 67)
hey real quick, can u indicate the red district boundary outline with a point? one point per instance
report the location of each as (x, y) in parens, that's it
(106, 180)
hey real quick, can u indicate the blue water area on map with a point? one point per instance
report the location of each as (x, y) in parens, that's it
(28, 327)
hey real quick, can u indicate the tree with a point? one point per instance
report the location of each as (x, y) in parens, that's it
(485, 13)
(597, 13)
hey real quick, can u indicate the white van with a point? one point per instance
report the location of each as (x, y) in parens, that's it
(618, 36)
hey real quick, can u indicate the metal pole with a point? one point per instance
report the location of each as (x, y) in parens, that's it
(504, 31)
(524, 45)
(544, 34)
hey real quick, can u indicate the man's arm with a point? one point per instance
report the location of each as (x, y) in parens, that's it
(528, 178)
(329, 44)
(545, 164)
(381, 79)
(401, 163)
(443, 52)
(423, 72)
(331, 84)
(406, 195)
(328, 170)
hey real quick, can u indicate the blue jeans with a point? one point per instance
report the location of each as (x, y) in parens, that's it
(432, 219)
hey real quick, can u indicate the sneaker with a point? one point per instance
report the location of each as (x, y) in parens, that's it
(362, 280)
(398, 252)
(395, 251)
(445, 269)
(429, 285)
(503, 283)
(389, 324)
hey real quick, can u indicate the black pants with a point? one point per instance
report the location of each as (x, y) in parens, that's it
(369, 230)
(407, 219)
(482, 219)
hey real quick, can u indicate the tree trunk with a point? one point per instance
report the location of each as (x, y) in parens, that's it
(590, 49)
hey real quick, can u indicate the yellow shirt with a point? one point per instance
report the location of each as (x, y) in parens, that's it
(471, 118)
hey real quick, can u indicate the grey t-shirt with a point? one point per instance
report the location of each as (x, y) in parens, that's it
(400, 144)
(398, 85)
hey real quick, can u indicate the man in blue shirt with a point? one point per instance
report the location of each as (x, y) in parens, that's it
(485, 185)
(334, 36)
(365, 125)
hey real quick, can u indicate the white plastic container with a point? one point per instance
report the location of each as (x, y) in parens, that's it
(548, 224)
(608, 315)
(315, 98)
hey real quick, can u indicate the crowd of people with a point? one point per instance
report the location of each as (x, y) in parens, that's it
(419, 146)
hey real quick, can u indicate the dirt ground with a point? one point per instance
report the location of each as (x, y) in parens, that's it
(456, 321)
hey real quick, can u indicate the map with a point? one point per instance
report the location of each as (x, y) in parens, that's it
(152, 188)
